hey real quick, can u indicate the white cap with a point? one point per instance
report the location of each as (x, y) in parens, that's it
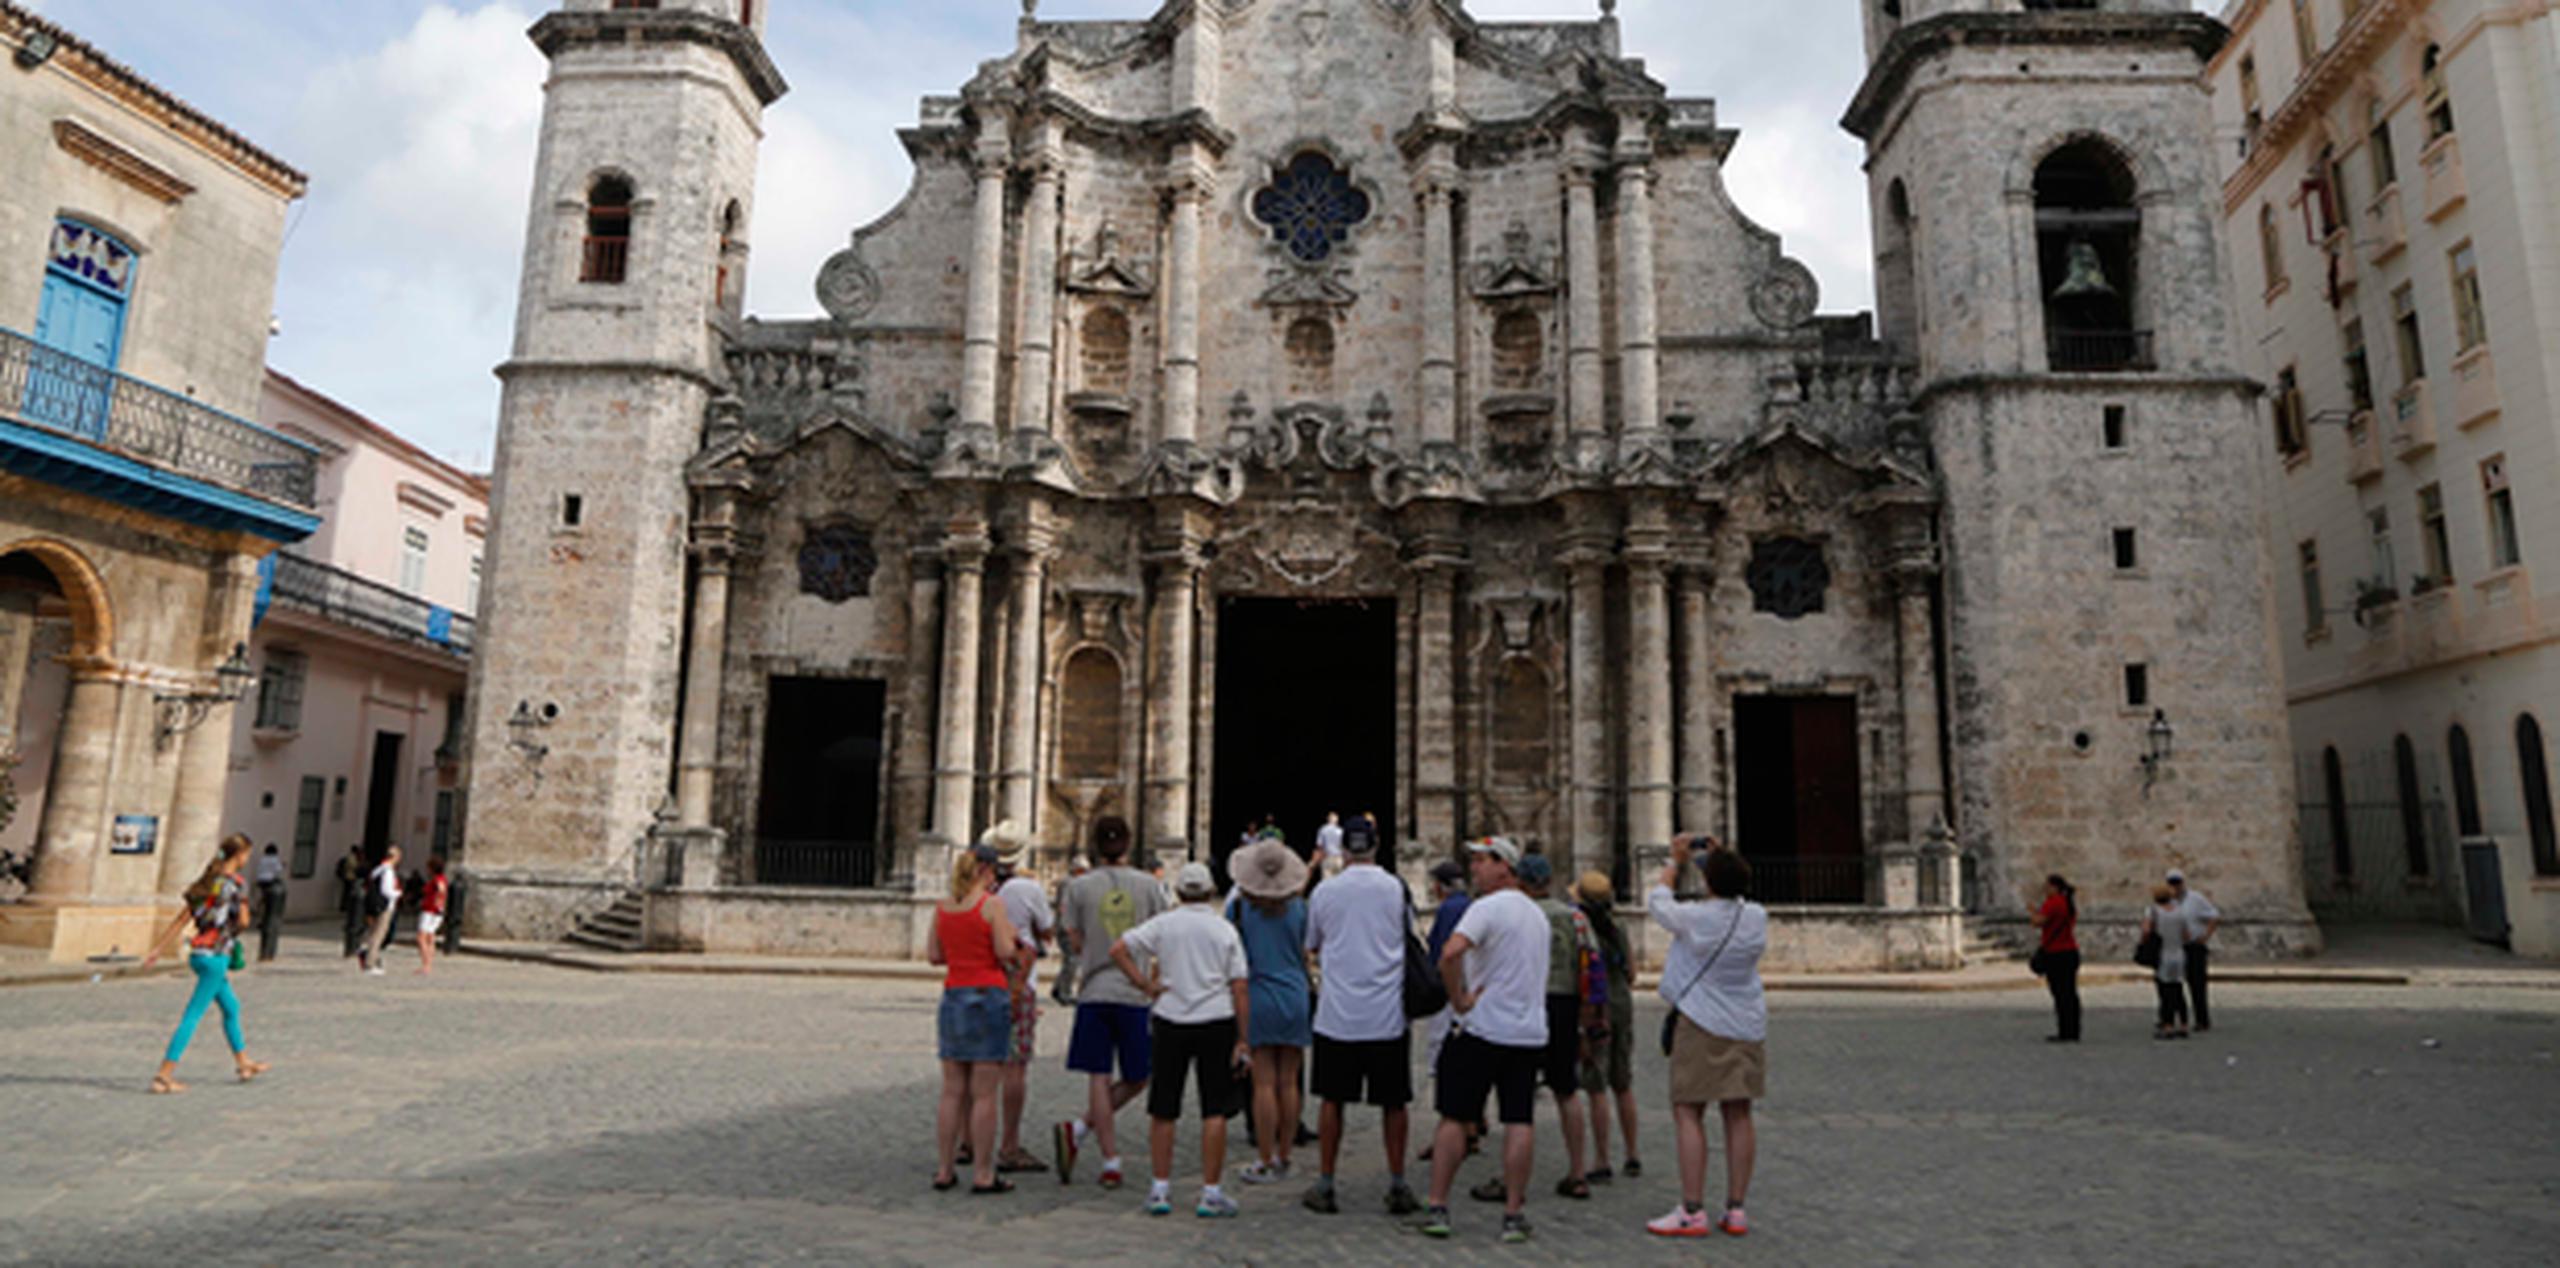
(2177, 877)
(1194, 881)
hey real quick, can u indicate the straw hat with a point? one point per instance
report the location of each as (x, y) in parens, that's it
(1594, 887)
(1011, 844)
(1268, 869)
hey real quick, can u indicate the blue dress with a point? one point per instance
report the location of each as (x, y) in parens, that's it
(1275, 951)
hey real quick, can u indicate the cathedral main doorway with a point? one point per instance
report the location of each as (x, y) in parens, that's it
(1305, 717)
(819, 821)
(1797, 809)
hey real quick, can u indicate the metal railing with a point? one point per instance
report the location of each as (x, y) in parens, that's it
(2098, 351)
(824, 864)
(58, 392)
(338, 595)
(1839, 882)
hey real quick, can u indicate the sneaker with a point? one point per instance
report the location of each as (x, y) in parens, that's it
(1436, 1223)
(1112, 1178)
(1160, 1204)
(1264, 1172)
(1321, 1201)
(1215, 1206)
(1401, 1200)
(374, 972)
(1064, 1136)
(1681, 1222)
(1734, 1223)
(1515, 1228)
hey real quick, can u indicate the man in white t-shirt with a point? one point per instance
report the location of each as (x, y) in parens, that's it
(1357, 924)
(1329, 853)
(1026, 904)
(2202, 918)
(1201, 1013)
(1496, 969)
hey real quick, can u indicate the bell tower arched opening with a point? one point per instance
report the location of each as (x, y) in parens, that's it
(2088, 238)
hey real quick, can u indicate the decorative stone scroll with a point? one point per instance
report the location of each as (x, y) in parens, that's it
(847, 287)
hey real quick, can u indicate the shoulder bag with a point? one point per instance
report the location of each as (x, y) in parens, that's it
(1671, 1022)
(1425, 992)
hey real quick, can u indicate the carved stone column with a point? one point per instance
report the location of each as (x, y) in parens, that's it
(980, 328)
(1696, 679)
(1649, 704)
(1586, 402)
(1172, 626)
(1018, 778)
(75, 800)
(1915, 568)
(1434, 185)
(955, 763)
(1639, 340)
(1190, 188)
(1435, 703)
(1586, 562)
(1035, 366)
(204, 761)
(698, 758)
(917, 735)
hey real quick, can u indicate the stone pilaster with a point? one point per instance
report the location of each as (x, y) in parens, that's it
(1915, 571)
(1190, 185)
(1436, 567)
(698, 757)
(1586, 562)
(204, 758)
(917, 737)
(75, 801)
(1172, 629)
(1434, 188)
(1649, 704)
(980, 328)
(1586, 404)
(955, 762)
(1639, 337)
(1018, 779)
(1034, 368)
(1696, 681)
(17, 646)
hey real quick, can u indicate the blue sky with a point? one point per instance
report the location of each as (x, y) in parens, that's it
(416, 120)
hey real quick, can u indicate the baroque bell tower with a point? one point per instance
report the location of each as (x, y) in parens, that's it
(634, 257)
(2047, 210)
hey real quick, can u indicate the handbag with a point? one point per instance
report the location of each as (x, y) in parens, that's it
(1671, 1020)
(2039, 964)
(2147, 952)
(239, 957)
(1425, 991)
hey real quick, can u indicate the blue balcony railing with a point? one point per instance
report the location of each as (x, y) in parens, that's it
(336, 594)
(61, 393)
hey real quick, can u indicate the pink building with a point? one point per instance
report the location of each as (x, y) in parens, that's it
(362, 647)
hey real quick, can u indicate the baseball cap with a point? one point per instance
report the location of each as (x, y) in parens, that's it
(1500, 848)
(1448, 872)
(1536, 870)
(1194, 881)
(2177, 877)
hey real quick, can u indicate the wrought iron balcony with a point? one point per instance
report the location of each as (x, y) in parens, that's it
(57, 392)
(2098, 351)
(338, 595)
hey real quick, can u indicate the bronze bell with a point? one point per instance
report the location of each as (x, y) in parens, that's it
(2084, 274)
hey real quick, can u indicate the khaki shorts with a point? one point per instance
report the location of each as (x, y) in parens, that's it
(1708, 1069)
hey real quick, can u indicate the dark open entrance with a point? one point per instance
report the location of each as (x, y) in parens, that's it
(1306, 718)
(818, 821)
(380, 794)
(1796, 762)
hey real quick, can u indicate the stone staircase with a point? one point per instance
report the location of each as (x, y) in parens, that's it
(1997, 942)
(618, 928)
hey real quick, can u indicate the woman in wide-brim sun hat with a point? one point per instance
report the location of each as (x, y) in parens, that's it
(1269, 876)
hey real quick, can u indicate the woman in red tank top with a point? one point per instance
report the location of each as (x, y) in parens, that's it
(974, 943)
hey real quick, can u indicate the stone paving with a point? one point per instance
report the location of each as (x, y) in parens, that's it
(503, 1112)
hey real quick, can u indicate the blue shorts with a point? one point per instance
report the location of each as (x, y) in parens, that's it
(1103, 1030)
(976, 1024)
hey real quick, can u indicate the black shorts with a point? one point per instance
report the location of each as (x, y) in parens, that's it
(1561, 1068)
(1176, 1048)
(1380, 1068)
(1470, 1069)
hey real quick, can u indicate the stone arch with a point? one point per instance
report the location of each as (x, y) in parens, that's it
(93, 625)
(2151, 179)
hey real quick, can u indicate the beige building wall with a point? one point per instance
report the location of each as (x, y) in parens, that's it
(2417, 545)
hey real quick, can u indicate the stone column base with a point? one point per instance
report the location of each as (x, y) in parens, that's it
(73, 933)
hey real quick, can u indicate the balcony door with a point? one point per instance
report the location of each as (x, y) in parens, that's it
(79, 331)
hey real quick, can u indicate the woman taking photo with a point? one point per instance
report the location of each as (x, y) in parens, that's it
(1720, 1021)
(1272, 920)
(2057, 955)
(974, 943)
(217, 911)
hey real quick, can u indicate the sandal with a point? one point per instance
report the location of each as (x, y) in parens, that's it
(163, 1085)
(1633, 1170)
(1574, 1187)
(250, 1070)
(944, 1184)
(1019, 1160)
(1599, 1175)
(1001, 1185)
(1490, 1191)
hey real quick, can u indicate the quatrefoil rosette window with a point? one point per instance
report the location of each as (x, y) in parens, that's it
(1310, 207)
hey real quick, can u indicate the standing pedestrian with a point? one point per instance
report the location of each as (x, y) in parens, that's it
(1063, 989)
(974, 943)
(1495, 966)
(1570, 946)
(382, 904)
(1329, 850)
(1111, 1007)
(2057, 957)
(2202, 919)
(1356, 929)
(1202, 1012)
(1449, 903)
(218, 911)
(2167, 923)
(1026, 904)
(432, 894)
(1608, 1064)
(1272, 921)
(352, 908)
(1720, 1027)
(272, 894)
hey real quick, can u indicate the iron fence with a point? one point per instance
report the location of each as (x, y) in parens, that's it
(823, 864)
(2098, 351)
(1839, 882)
(338, 595)
(2379, 860)
(58, 392)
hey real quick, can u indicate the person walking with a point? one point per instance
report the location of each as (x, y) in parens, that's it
(1720, 1026)
(1202, 1011)
(2202, 918)
(1495, 966)
(351, 899)
(1026, 904)
(432, 894)
(269, 878)
(1111, 1007)
(2167, 922)
(1357, 924)
(1272, 921)
(1329, 852)
(382, 903)
(1570, 947)
(974, 943)
(217, 911)
(2057, 957)
(1608, 1063)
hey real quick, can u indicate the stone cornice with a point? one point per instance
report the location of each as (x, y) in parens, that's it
(1922, 41)
(2338, 68)
(81, 60)
(103, 152)
(606, 28)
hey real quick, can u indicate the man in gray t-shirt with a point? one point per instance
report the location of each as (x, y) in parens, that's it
(1111, 1011)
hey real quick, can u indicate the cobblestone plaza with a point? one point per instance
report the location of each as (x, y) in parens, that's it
(514, 1113)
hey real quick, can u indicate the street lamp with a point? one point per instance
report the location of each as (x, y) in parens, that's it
(181, 712)
(2161, 741)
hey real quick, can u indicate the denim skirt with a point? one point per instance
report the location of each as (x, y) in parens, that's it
(976, 1024)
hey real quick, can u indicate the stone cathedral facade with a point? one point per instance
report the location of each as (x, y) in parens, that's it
(1269, 407)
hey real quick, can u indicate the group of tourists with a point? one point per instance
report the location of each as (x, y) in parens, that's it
(2176, 945)
(1300, 979)
(372, 898)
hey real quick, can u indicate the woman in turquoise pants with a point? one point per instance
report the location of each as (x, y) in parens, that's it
(217, 910)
